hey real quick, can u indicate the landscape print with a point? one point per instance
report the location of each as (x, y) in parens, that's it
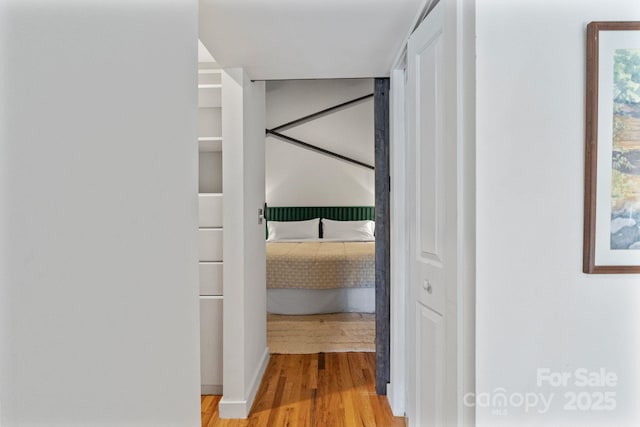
(625, 175)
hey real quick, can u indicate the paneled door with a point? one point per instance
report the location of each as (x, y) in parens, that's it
(431, 196)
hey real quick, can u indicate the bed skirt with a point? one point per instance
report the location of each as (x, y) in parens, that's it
(317, 301)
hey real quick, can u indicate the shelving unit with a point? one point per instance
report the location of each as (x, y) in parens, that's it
(210, 226)
(209, 95)
(209, 75)
(210, 111)
(210, 144)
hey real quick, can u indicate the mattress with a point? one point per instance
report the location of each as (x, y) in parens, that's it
(320, 265)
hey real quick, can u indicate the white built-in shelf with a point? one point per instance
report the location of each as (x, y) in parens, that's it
(208, 66)
(209, 144)
(210, 244)
(210, 210)
(209, 95)
(209, 77)
(209, 121)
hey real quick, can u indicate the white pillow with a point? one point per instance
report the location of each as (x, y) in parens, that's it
(348, 230)
(279, 230)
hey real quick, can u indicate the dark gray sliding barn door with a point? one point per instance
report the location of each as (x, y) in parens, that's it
(383, 244)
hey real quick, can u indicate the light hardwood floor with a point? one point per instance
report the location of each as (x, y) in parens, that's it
(314, 390)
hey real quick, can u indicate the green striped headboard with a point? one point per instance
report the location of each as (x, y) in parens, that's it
(338, 213)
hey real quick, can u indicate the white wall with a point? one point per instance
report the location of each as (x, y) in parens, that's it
(299, 177)
(245, 352)
(255, 252)
(535, 308)
(98, 214)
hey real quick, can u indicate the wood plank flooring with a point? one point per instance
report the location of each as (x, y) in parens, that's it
(313, 390)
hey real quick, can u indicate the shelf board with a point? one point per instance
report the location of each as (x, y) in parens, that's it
(210, 144)
(210, 86)
(209, 198)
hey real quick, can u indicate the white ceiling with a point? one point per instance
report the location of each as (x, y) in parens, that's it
(303, 39)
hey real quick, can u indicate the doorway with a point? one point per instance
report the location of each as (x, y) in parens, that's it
(313, 172)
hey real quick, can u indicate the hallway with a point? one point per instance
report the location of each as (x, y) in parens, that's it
(326, 389)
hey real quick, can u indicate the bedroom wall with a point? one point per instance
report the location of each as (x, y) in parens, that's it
(298, 177)
(98, 214)
(535, 307)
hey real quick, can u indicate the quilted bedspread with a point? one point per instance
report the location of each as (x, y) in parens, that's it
(320, 265)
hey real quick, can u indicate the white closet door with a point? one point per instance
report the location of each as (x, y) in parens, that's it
(431, 194)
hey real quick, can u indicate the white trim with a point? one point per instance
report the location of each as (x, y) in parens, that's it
(240, 408)
(466, 122)
(396, 391)
(210, 71)
(257, 377)
(426, 5)
(233, 408)
(210, 86)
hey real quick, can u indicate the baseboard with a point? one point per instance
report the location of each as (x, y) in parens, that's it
(395, 401)
(241, 408)
(257, 378)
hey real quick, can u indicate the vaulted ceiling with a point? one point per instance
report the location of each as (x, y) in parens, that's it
(303, 39)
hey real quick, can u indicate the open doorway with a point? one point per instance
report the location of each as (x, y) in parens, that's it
(327, 191)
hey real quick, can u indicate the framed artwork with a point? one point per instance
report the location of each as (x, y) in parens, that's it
(612, 149)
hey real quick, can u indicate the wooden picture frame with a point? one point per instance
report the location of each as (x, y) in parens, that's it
(612, 149)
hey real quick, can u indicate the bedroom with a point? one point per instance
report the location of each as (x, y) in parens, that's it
(331, 307)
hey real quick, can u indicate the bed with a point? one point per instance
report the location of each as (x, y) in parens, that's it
(319, 266)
